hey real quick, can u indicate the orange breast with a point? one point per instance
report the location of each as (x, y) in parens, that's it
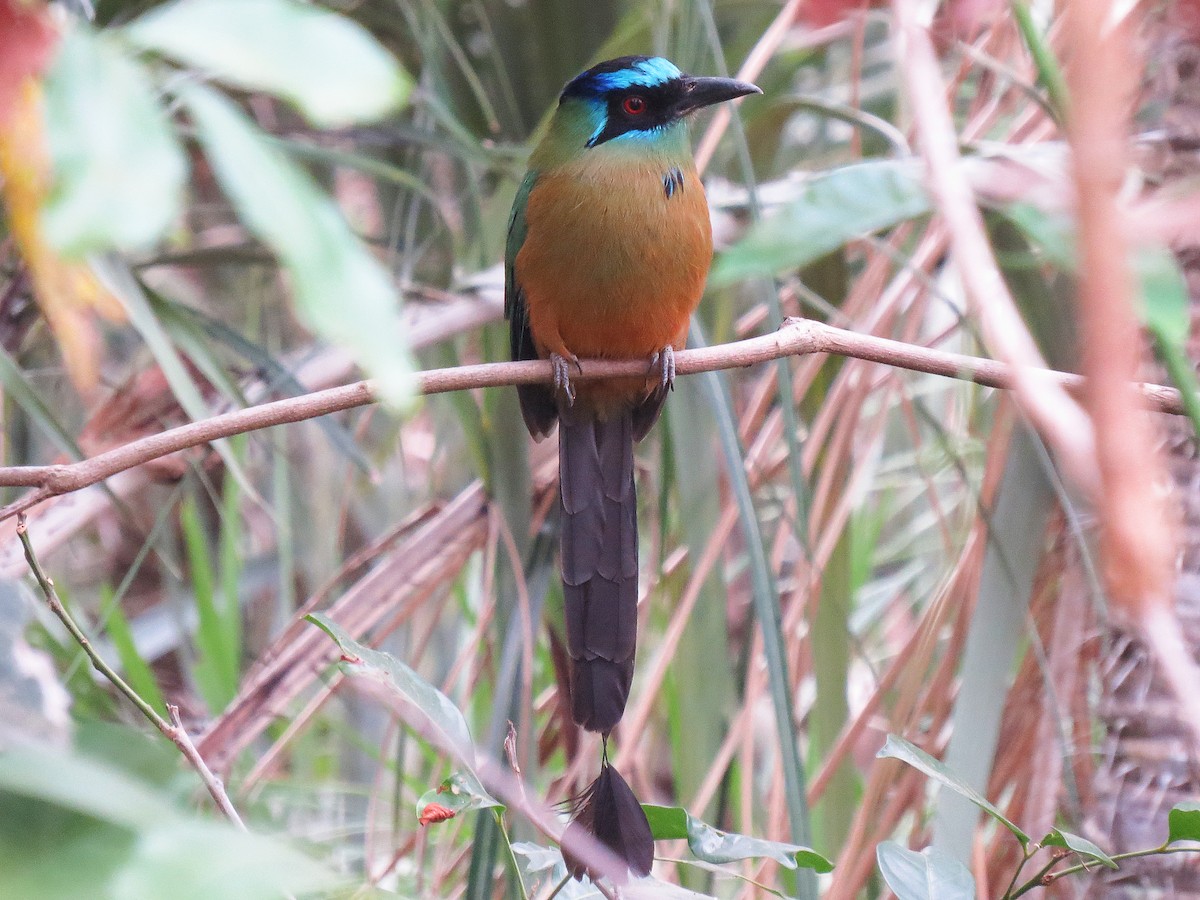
(611, 266)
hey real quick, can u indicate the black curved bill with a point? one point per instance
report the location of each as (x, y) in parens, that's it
(701, 91)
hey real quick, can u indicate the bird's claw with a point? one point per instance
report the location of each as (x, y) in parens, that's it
(664, 362)
(562, 375)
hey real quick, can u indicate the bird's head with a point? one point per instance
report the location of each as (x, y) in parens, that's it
(636, 100)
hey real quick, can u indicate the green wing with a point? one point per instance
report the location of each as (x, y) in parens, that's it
(537, 401)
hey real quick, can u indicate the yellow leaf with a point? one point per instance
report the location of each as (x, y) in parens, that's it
(68, 293)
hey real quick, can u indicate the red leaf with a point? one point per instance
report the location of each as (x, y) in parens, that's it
(26, 41)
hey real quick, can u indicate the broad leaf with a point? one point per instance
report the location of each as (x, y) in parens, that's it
(342, 292)
(74, 827)
(716, 846)
(450, 728)
(330, 67)
(1183, 822)
(832, 208)
(1080, 845)
(931, 874)
(898, 748)
(118, 170)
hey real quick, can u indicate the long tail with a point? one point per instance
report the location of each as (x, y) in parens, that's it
(599, 570)
(599, 562)
(609, 812)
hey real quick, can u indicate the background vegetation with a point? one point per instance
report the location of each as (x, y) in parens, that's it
(215, 204)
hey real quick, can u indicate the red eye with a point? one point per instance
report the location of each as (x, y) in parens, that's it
(634, 105)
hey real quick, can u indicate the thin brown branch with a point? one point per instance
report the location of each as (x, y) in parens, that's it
(173, 730)
(798, 337)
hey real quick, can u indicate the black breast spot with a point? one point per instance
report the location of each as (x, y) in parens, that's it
(672, 181)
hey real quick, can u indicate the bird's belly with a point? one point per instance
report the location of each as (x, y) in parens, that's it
(613, 267)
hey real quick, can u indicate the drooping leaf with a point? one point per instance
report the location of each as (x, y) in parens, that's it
(118, 169)
(1077, 844)
(716, 846)
(931, 874)
(447, 720)
(899, 748)
(832, 208)
(342, 292)
(1183, 822)
(329, 66)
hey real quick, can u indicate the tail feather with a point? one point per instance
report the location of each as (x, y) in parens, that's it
(599, 562)
(610, 813)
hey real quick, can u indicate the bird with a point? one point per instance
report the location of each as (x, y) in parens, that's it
(609, 245)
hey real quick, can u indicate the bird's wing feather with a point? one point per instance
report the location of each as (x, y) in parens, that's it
(537, 401)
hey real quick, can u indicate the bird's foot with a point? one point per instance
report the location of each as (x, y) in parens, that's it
(562, 375)
(664, 362)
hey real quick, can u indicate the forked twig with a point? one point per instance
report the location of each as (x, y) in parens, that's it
(172, 730)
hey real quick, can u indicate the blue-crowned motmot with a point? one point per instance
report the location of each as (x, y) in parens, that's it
(609, 245)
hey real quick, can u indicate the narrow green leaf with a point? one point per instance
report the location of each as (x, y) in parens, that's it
(1049, 72)
(137, 671)
(1077, 844)
(929, 875)
(715, 846)
(342, 292)
(832, 208)
(120, 279)
(899, 748)
(765, 598)
(329, 66)
(1183, 822)
(443, 715)
(230, 556)
(118, 169)
(216, 669)
(15, 380)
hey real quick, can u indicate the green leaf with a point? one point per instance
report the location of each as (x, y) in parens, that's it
(137, 671)
(833, 208)
(118, 170)
(75, 827)
(931, 874)
(1162, 290)
(899, 748)
(1077, 844)
(1164, 293)
(330, 67)
(452, 733)
(1183, 822)
(716, 846)
(342, 292)
(458, 793)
